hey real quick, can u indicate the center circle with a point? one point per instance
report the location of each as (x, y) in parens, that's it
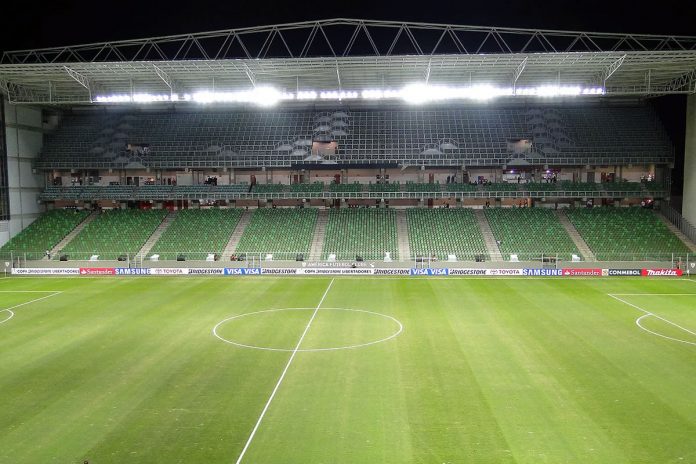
(348, 328)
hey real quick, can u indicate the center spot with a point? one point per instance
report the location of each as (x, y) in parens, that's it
(331, 329)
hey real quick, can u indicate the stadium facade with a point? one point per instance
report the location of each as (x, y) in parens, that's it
(343, 112)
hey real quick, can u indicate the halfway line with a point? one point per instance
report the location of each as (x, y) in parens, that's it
(282, 376)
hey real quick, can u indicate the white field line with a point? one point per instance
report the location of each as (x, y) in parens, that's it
(9, 310)
(282, 375)
(659, 334)
(648, 313)
(309, 350)
(654, 294)
(31, 291)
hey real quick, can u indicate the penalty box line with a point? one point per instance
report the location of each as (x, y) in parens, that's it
(9, 310)
(282, 375)
(649, 313)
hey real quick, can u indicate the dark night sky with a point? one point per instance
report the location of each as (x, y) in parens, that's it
(74, 22)
(70, 22)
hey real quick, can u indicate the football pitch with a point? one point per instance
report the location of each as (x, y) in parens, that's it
(264, 370)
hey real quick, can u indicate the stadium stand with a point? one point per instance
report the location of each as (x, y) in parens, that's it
(45, 232)
(461, 187)
(501, 187)
(314, 187)
(283, 232)
(561, 186)
(364, 232)
(113, 233)
(268, 188)
(530, 233)
(562, 135)
(625, 234)
(444, 231)
(197, 232)
(391, 187)
(422, 187)
(352, 187)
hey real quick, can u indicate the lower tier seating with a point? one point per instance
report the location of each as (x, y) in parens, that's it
(44, 233)
(441, 232)
(197, 232)
(365, 232)
(115, 232)
(283, 232)
(625, 233)
(530, 233)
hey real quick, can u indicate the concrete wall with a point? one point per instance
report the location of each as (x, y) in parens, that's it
(24, 135)
(689, 202)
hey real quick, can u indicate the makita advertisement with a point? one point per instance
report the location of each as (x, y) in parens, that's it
(429, 272)
(582, 272)
(662, 272)
(624, 272)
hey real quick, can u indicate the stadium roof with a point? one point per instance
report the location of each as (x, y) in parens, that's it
(342, 58)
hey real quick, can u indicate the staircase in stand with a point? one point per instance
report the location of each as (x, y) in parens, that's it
(402, 235)
(675, 230)
(580, 242)
(488, 238)
(145, 249)
(237, 234)
(73, 233)
(319, 234)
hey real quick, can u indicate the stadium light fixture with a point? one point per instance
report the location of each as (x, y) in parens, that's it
(413, 93)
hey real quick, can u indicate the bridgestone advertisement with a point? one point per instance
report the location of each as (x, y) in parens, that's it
(416, 272)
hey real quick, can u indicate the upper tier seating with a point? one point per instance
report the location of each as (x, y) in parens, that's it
(563, 185)
(283, 232)
(390, 187)
(444, 231)
(352, 187)
(461, 187)
(422, 187)
(268, 188)
(197, 232)
(530, 233)
(365, 232)
(472, 136)
(44, 233)
(115, 232)
(501, 187)
(625, 234)
(314, 187)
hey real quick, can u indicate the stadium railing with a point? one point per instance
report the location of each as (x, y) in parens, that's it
(266, 258)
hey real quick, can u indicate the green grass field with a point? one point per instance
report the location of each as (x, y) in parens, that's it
(129, 370)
